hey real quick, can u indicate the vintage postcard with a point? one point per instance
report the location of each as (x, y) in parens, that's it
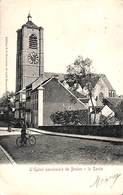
(61, 97)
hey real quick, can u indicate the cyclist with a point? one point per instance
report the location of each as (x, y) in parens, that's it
(23, 133)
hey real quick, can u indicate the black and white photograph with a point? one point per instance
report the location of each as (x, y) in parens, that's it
(61, 97)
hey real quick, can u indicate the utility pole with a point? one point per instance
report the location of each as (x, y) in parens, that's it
(6, 81)
(6, 65)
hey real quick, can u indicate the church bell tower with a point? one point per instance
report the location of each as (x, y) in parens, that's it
(30, 54)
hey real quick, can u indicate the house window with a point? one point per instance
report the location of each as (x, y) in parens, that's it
(33, 41)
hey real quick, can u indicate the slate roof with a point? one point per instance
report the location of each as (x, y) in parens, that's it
(46, 76)
(54, 74)
(30, 24)
(114, 101)
(94, 78)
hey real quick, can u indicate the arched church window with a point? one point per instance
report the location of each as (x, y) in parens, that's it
(33, 41)
(101, 96)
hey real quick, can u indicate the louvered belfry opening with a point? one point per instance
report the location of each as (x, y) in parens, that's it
(33, 41)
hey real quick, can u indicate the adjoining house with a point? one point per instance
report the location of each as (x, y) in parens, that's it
(48, 97)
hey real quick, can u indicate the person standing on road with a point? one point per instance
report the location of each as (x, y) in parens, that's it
(23, 132)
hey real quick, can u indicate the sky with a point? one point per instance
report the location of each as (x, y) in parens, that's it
(91, 28)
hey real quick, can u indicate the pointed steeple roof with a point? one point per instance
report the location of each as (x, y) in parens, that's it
(29, 23)
(29, 16)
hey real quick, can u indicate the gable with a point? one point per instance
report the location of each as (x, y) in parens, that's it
(106, 81)
(101, 85)
(55, 92)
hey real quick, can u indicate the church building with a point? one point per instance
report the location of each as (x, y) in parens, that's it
(39, 93)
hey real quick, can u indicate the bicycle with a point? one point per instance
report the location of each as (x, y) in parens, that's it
(28, 139)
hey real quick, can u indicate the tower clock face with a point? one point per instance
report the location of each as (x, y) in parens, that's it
(33, 58)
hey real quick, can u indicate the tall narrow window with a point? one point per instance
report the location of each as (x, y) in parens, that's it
(101, 96)
(33, 41)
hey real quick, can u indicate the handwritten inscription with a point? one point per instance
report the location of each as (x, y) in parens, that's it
(111, 180)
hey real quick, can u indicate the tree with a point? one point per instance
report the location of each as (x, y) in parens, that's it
(80, 73)
(8, 99)
(7, 102)
(118, 109)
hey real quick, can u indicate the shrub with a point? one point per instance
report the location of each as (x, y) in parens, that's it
(70, 117)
